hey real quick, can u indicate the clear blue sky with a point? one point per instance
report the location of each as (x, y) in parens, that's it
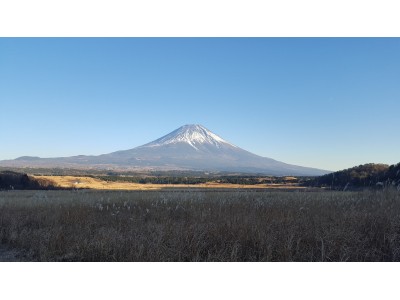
(327, 103)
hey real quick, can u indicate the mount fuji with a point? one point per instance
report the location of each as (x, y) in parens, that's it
(190, 147)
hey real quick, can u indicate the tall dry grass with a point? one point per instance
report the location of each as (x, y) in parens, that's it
(202, 225)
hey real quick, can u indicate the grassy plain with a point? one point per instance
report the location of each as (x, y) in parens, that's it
(82, 182)
(202, 225)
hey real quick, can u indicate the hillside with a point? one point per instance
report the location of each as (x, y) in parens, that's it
(368, 175)
(18, 181)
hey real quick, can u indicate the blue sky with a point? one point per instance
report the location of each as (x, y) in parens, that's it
(329, 103)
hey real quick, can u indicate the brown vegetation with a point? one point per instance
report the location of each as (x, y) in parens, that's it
(217, 225)
(82, 182)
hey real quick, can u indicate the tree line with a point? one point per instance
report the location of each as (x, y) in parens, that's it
(368, 175)
(244, 180)
(18, 181)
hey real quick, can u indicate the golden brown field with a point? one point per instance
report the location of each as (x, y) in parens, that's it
(79, 182)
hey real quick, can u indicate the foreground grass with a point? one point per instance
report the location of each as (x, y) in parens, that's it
(185, 225)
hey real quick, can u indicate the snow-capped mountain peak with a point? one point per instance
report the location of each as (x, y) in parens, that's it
(190, 147)
(194, 135)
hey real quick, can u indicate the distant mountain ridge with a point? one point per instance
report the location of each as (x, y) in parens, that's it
(190, 147)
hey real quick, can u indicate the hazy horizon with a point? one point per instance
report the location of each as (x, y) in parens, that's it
(328, 103)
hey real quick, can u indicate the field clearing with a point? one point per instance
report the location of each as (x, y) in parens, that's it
(208, 225)
(79, 182)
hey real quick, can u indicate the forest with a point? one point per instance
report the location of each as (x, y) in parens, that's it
(363, 176)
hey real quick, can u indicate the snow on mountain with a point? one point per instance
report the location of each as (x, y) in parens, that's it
(190, 147)
(192, 135)
(194, 147)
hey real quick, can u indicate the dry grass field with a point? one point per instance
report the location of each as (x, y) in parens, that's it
(202, 225)
(81, 182)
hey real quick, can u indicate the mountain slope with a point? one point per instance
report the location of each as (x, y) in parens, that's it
(190, 147)
(192, 135)
(367, 175)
